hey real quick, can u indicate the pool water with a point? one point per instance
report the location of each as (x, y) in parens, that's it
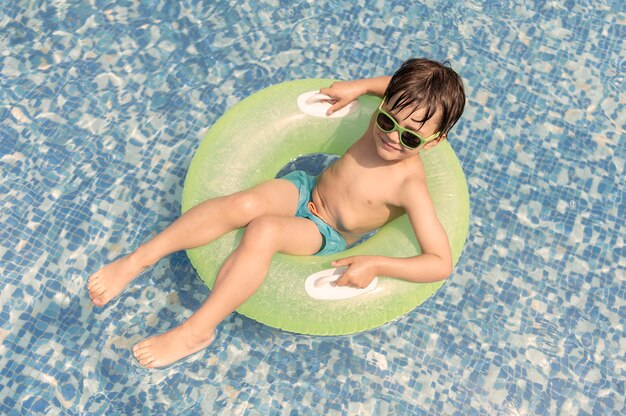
(104, 103)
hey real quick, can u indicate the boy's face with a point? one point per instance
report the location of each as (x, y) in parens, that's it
(388, 145)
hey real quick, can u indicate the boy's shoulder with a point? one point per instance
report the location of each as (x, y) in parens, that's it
(413, 171)
(412, 187)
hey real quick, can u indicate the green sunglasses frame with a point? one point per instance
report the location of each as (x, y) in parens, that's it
(401, 130)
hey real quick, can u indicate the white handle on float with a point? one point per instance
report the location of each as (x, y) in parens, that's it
(316, 104)
(322, 286)
(315, 98)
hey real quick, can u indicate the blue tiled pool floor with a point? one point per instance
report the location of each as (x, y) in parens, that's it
(104, 103)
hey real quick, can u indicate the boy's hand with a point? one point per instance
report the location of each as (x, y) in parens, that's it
(343, 93)
(360, 272)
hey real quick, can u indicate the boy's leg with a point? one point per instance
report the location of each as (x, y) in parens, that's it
(239, 277)
(200, 225)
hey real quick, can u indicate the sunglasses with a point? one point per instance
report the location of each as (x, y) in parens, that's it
(408, 138)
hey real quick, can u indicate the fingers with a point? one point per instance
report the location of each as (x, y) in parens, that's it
(347, 280)
(339, 96)
(346, 277)
(343, 280)
(337, 106)
(342, 262)
(327, 91)
(357, 273)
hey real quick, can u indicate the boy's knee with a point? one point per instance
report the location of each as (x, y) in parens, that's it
(248, 205)
(261, 233)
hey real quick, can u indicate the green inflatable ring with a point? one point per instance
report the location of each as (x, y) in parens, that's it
(228, 161)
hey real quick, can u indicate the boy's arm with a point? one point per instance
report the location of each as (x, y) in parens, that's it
(344, 92)
(434, 264)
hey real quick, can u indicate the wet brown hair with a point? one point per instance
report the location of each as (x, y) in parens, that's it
(429, 85)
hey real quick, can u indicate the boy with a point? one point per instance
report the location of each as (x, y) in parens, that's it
(378, 179)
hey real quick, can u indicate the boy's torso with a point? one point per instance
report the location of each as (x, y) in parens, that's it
(356, 195)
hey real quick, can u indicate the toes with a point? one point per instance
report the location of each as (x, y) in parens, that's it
(97, 294)
(149, 363)
(98, 300)
(141, 349)
(142, 355)
(92, 293)
(98, 290)
(95, 283)
(142, 359)
(145, 358)
(142, 346)
(99, 297)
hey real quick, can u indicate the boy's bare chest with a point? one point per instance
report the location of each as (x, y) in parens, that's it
(358, 200)
(358, 186)
(368, 192)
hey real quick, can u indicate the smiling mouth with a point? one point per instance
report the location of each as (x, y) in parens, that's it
(389, 144)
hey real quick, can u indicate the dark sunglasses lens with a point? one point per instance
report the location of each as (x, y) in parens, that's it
(410, 140)
(384, 122)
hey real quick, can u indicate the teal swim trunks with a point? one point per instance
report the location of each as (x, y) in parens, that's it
(333, 241)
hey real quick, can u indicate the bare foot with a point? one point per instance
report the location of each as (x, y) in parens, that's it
(167, 348)
(109, 281)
